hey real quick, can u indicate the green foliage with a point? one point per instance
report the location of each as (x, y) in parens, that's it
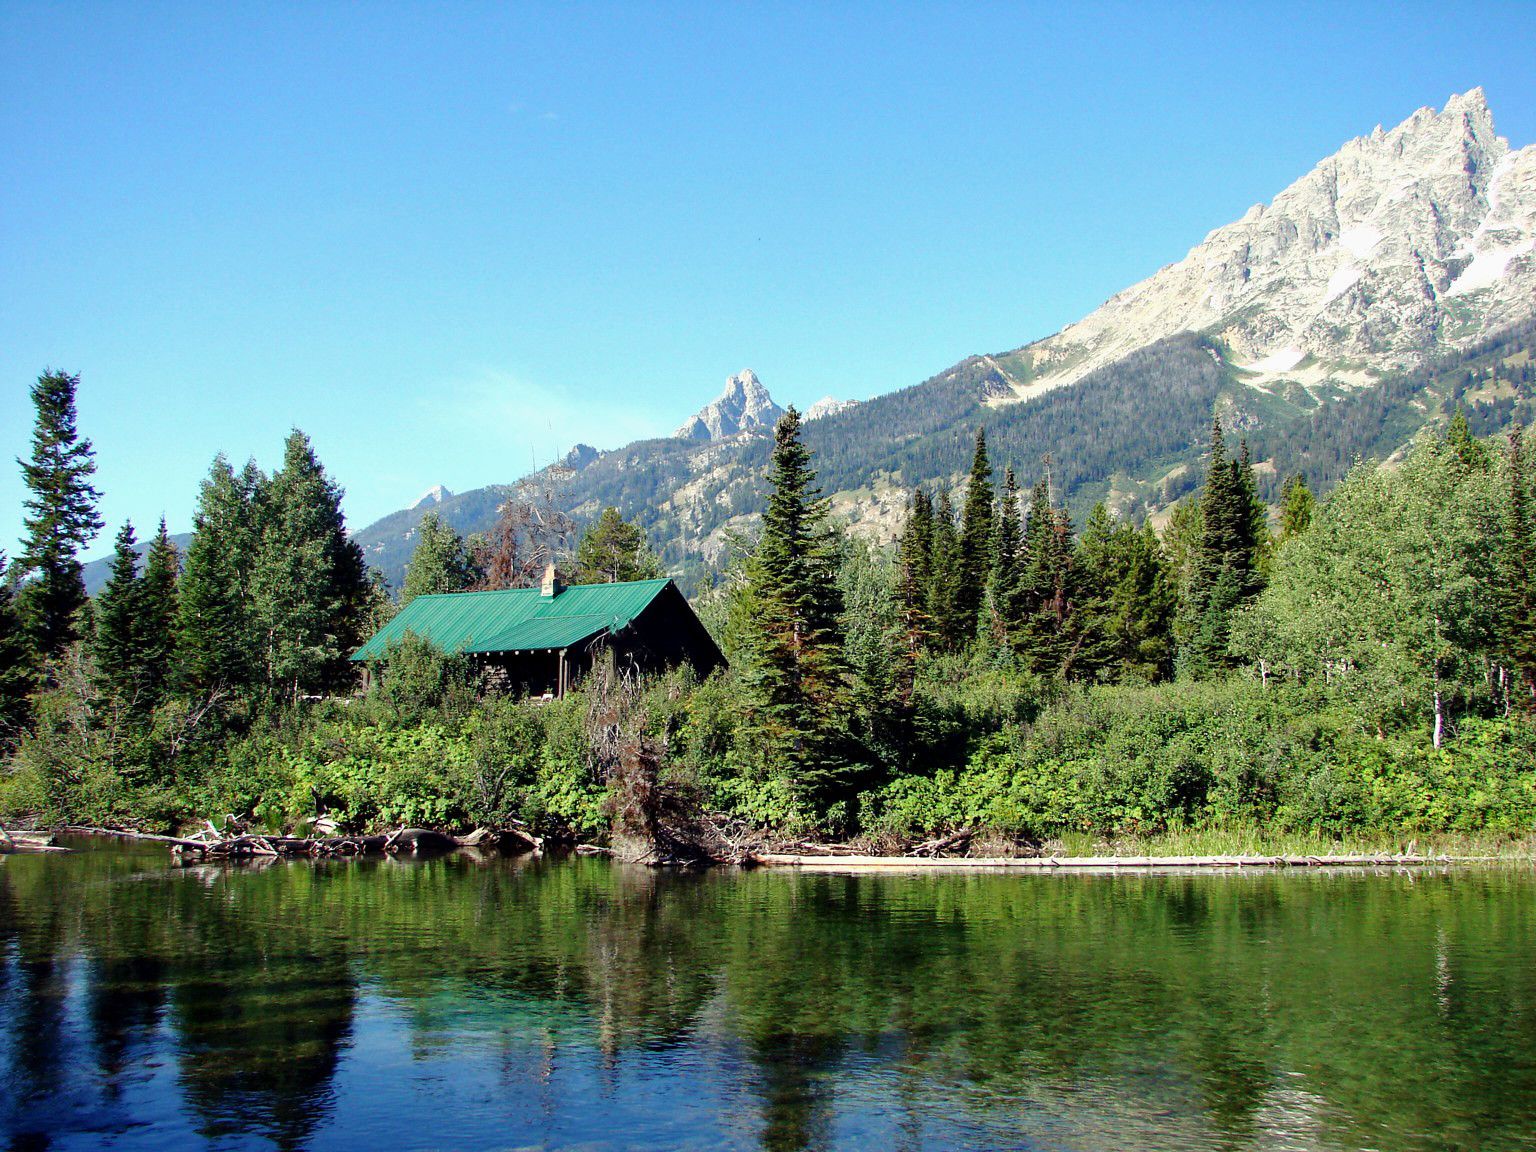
(794, 675)
(156, 625)
(416, 680)
(613, 551)
(61, 517)
(215, 635)
(1225, 567)
(1297, 507)
(1390, 597)
(442, 562)
(17, 667)
(977, 543)
(308, 586)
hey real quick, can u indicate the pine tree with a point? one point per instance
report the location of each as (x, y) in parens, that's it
(61, 517)
(915, 551)
(1044, 636)
(949, 630)
(1257, 545)
(441, 562)
(1471, 452)
(614, 551)
(1126, 606)
(158, 618)
(1003, 587)
(976, 540)
(1226, 568)
(309, 585)
(1517, 563)
(795, 678)
(17, 670)
(215, 637)
(115, 642)
(1297, 506)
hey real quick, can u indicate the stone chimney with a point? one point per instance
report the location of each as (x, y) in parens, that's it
(551, 586)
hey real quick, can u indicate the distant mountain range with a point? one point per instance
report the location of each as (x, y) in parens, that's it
(1393, 282)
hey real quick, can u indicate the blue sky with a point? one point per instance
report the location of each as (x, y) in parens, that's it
(448, 241)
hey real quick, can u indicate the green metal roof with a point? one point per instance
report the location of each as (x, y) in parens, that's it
(515, 619)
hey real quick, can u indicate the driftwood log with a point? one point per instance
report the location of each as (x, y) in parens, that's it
(840, 863)
(30, 840)
(401, 842)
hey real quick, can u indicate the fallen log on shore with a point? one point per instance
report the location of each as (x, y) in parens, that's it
(28, 841)
(1101, 863)
(401, 842)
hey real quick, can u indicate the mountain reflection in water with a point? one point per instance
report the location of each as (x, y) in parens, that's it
(463, 1004)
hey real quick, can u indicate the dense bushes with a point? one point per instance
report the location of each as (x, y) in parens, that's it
(1127, 761)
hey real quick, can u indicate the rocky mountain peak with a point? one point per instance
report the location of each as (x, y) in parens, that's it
(744, 406)
(1402, 243)
(433, 495)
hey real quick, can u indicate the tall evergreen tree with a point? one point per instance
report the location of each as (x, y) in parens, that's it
(16, 666)
(1126, 602)
(1226, 569)
(115, 642)
(1517, 564)
(441, 562)
(1044, 637)
(795, 678)
(158, 617)
(915, 551)
(215, 636)
(977, 539)
(949, 624)
(1003, 587)
(309, 585)
(614, 551)
(61, 516)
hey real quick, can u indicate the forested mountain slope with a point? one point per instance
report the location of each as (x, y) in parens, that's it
(1391, 284)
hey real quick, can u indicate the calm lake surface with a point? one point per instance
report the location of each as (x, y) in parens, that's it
(456, 1004)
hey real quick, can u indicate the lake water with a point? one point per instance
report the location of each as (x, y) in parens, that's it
(523, 1004)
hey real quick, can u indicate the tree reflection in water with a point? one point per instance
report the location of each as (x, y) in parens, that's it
(323, 1005)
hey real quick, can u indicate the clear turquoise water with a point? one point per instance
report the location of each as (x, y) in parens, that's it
(461, 1005)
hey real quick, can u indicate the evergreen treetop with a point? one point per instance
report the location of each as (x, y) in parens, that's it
(61, 516)
(442, 562)
(614, 551)
(976, 539)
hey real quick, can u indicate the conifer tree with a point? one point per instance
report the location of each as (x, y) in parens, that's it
(1126, 605)
(977, 539)
(915, 552)
(1003, 587)
(158, 617)
(1471, 452)
(309, 585)
(795, 677)
(1297, 506)
(214, 631)
(1517, 563)
(17, 669)
(1044, 636)
(1226, 569)
(949, 631)
(115, 642)
(441, 562)
(61, 517)
(614, 551)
